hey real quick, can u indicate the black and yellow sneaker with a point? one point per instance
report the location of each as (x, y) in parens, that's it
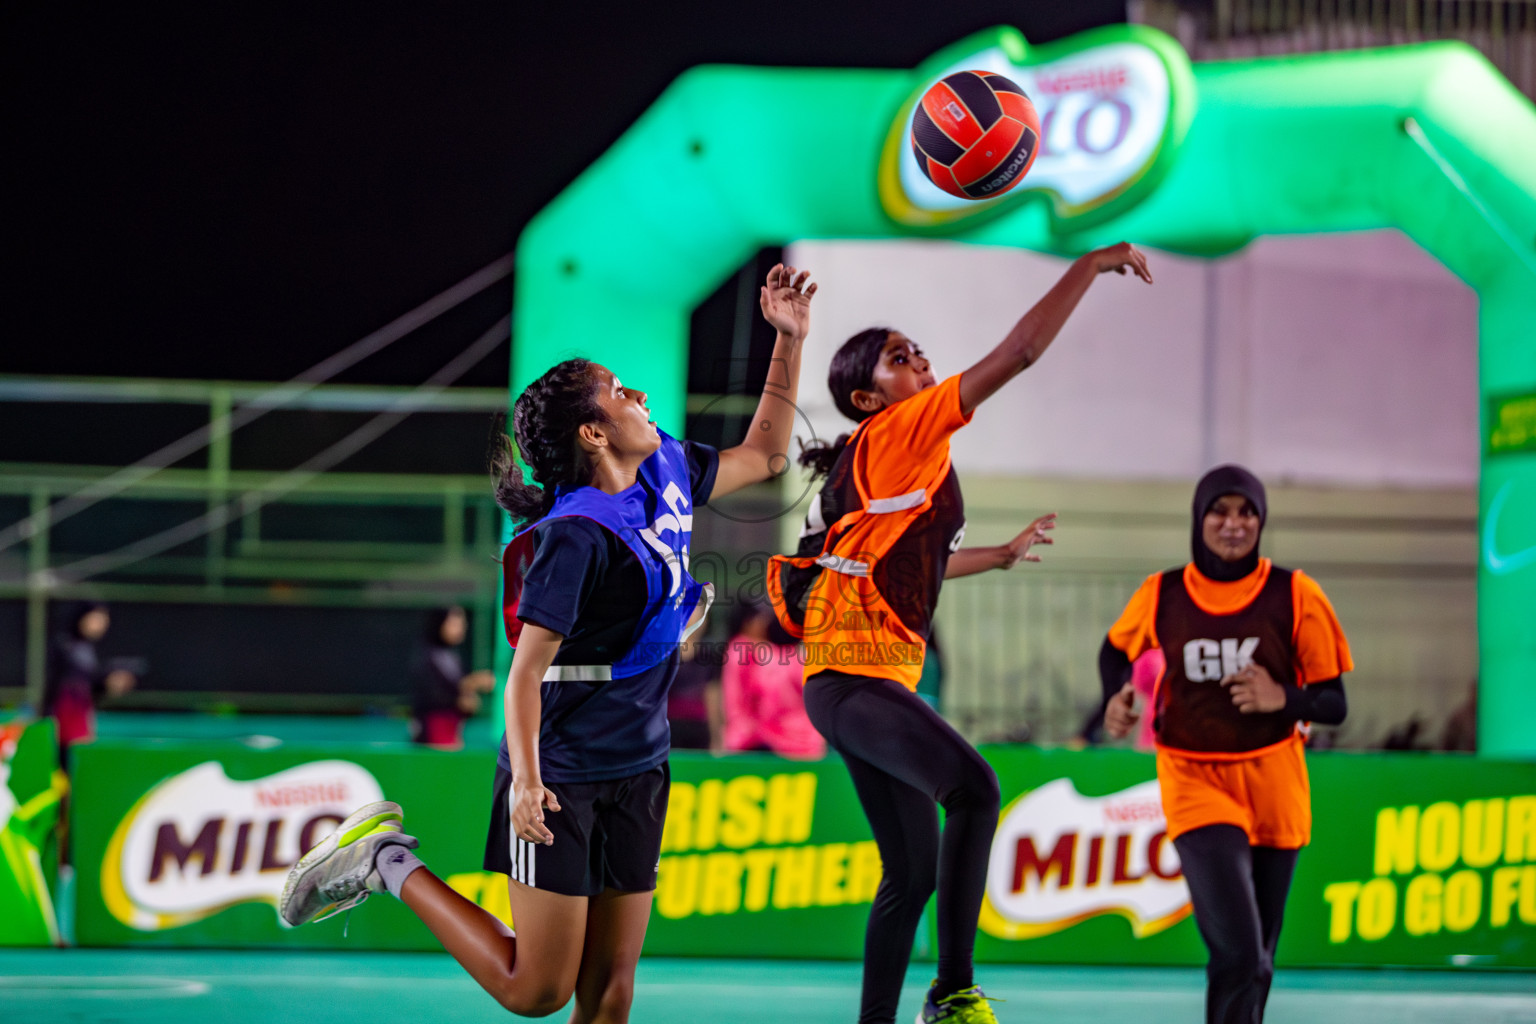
(967, 1006)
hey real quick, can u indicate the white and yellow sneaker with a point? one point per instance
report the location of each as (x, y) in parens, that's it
(339, 872)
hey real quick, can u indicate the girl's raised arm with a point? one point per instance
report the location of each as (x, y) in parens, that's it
(764, 454)
(1036, 329)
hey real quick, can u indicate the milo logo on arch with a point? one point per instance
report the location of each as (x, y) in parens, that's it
(199, 841)
(1115, 105)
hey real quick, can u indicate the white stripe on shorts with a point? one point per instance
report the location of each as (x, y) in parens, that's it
(523, 862)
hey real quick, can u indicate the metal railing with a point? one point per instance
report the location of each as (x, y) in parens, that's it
(241, 562)
(1504, 31)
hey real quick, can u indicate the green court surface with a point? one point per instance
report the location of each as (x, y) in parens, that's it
(169, 987)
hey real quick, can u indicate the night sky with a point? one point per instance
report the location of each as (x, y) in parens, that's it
(237, 193)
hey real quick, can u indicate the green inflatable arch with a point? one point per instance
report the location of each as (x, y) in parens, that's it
(1428, 139)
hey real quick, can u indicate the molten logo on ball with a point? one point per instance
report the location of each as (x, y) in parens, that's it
(975, 134)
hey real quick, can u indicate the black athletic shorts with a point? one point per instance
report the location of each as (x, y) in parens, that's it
(607, 835)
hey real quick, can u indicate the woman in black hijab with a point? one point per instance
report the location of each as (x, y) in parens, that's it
(1254, 654)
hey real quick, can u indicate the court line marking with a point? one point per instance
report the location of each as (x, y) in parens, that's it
(95, 987)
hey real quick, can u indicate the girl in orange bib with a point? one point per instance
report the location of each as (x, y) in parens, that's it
(1253, 653)
(880, 539)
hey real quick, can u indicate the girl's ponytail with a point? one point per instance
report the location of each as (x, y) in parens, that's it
(545, 419)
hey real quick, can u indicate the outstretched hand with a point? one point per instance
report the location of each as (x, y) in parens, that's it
(786, 301)
(119, 682)
(477, 682)
(1121, 258)
(1017, 550)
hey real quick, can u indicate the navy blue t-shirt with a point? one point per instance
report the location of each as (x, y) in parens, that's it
(585, 584)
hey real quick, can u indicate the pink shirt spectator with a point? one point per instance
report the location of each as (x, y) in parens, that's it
(764, 704)
(1145, 671)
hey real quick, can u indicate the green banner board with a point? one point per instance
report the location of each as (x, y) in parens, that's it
(31, 793)
(1415, 860)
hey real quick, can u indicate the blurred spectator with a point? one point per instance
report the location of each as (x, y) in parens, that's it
(1461, 728)
(1405, 736)
(694, 706)
(77, 679)
(762, 688)
(442, 693)
(1322, 739)
(1145, 672)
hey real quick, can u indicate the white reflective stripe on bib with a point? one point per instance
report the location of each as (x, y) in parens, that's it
(700, 610)
(900, 503)
(846, 566)
(578, 674)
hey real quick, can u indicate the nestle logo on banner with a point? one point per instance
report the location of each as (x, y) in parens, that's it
(1059, 858)
(302, 796)
(200, 841)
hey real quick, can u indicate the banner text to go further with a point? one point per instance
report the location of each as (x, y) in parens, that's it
(1494, 843)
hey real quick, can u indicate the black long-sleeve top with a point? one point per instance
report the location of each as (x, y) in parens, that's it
(72, 665)
(435, 680)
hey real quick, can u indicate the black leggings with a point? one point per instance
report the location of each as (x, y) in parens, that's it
(903, 759)
(1238, 892)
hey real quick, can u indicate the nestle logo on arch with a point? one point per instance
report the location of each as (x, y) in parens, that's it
(1105, 79)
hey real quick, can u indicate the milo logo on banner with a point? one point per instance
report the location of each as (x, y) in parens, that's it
(1059, 858)
(200, 841)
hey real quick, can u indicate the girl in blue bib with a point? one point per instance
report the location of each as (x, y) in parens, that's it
(598, 597)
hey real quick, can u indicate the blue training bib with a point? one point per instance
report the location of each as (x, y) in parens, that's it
(654, 519)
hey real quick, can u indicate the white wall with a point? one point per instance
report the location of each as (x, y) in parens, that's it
(1344, 359)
